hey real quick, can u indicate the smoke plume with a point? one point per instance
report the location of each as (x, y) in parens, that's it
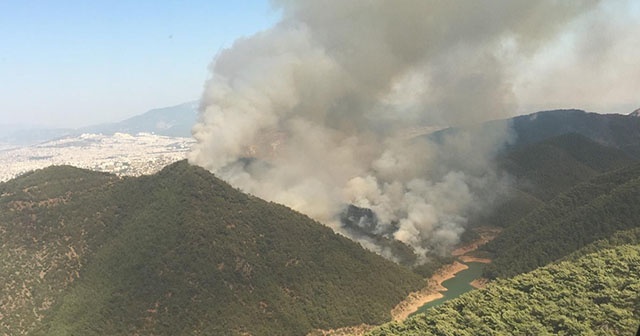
(328, 108)
(592, 65)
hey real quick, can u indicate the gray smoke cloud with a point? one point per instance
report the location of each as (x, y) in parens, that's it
(592, 65)
(330, 103)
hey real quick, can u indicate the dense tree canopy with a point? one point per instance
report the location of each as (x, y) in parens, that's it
(177, 253)
(593, 294)
(590, 211)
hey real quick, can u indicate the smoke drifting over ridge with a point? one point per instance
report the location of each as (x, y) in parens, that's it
(329, 98)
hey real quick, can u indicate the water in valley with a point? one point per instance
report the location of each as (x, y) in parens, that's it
(457, 285)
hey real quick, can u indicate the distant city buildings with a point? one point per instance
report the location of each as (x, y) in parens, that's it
(120, 154)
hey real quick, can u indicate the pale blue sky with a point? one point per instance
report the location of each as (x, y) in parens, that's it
(72, 63)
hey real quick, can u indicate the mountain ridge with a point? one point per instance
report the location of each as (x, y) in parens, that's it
(591, 210)
(612, 130)
(174, 121)
(178, 252)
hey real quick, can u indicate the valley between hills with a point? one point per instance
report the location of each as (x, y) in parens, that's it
(434, 288)
(348, 168)
(180, 252)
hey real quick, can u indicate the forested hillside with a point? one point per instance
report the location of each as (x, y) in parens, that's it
(541, 171)
(177, 253)
(593, 294)
(552, 166)
(611, 130)
(590, 211)
(572, 200)
(181, 253)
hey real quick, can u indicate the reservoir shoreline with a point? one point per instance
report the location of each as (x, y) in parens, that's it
(434, 288)
(431, 292)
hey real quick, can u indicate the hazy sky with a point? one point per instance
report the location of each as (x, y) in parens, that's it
(72, 63)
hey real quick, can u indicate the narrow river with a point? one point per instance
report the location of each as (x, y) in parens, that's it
(456, 286)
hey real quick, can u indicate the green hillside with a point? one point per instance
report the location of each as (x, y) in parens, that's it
(631, 236)
(590, 211)
(183, 253)
(542, 170)
(594, 294)
(177, 253)
(549, 167)
(611, 130)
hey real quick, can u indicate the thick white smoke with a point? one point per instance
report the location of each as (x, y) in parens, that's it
(323, 109)
(593, 65)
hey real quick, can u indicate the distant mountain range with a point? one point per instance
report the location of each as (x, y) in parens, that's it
(174, 121)
(612, 130)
